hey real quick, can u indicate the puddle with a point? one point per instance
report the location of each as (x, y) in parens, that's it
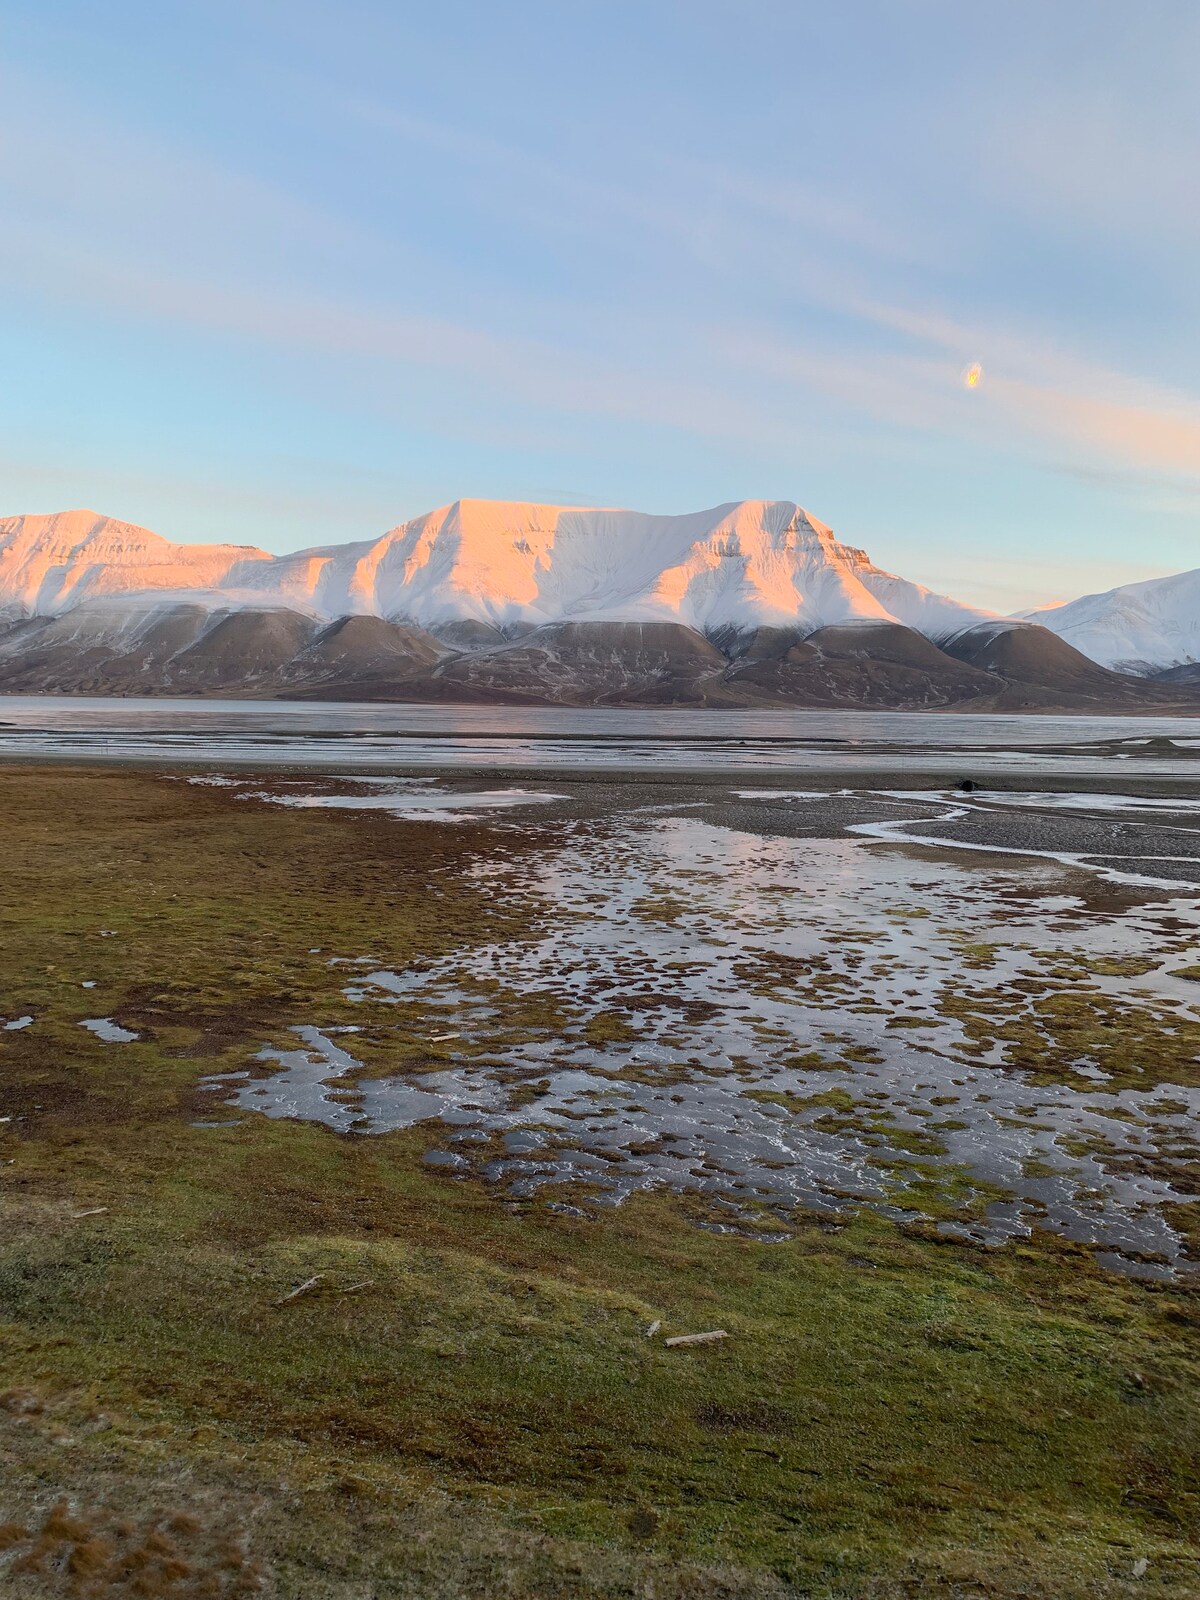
(778, 1023)
(108, 1030)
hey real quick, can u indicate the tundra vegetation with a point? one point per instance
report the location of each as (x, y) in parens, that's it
(265, 1357)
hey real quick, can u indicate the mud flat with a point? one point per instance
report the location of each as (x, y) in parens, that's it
(328, 1264)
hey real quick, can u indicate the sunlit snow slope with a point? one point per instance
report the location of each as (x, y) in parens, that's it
(739, 566)
(51, 564)
(1140, 627)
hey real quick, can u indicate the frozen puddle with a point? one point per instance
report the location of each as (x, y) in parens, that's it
(108, 1030)
(1130, 803)
(779, 1023)
(399, 797)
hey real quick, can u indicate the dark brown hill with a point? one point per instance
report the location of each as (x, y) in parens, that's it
(593, 663)
(184, 649)
(880, 665)
(1043, 672)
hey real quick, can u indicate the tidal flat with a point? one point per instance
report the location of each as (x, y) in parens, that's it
(329, 1260)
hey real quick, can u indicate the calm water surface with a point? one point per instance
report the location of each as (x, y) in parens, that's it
(339, 736)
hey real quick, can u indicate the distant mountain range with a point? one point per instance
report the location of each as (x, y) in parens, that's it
(752, 603)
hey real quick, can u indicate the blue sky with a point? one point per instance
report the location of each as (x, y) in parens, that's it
(292, 273)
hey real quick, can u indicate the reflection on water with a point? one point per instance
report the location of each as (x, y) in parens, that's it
(772, 1023)
(109, 1031)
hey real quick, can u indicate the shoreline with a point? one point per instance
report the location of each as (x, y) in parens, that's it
(831, 777)
(1188, 706)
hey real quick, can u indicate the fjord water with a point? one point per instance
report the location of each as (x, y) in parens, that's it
(356, 735)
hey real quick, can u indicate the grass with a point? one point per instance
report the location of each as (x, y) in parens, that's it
(465, 1402)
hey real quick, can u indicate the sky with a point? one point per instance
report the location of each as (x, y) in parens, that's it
(292, 273)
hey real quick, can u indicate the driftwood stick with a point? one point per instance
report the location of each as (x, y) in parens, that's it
(303, 1288)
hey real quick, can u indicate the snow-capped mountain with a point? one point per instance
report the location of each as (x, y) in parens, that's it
(509, 565)
(51, 564)
(1140, 627)
(752, 603)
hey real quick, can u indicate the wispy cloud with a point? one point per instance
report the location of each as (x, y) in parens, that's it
(1033, 393)
(1048, 392)
(679, 291)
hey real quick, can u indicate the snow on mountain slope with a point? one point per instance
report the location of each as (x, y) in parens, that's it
(1139, 627)
(510, 565)
(745, 565)
(50, 564)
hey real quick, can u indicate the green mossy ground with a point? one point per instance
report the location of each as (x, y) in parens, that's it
(466, 1402)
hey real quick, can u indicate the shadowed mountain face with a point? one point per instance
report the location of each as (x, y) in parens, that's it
(877, 665)
(363, 651)
(1187, 674)
(188, 650)
(185, 649)
(243, 649)
(94, 651)
(1037, 666)
(595, 663)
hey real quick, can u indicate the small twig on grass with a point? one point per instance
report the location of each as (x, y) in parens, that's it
(353, 1288)
(303, 1288)
(94, 1212)
(653, 1328)
(696, 1338)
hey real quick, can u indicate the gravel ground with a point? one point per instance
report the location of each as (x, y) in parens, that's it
(1165, 846)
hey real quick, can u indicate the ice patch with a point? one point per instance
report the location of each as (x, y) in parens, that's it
(1059, 802)
(441, 805)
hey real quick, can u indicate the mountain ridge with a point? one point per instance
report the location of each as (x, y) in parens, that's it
(505, 564)
(1147, 628)
(748, 603)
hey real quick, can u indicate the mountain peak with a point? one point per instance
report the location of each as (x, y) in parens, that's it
(507, 564)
